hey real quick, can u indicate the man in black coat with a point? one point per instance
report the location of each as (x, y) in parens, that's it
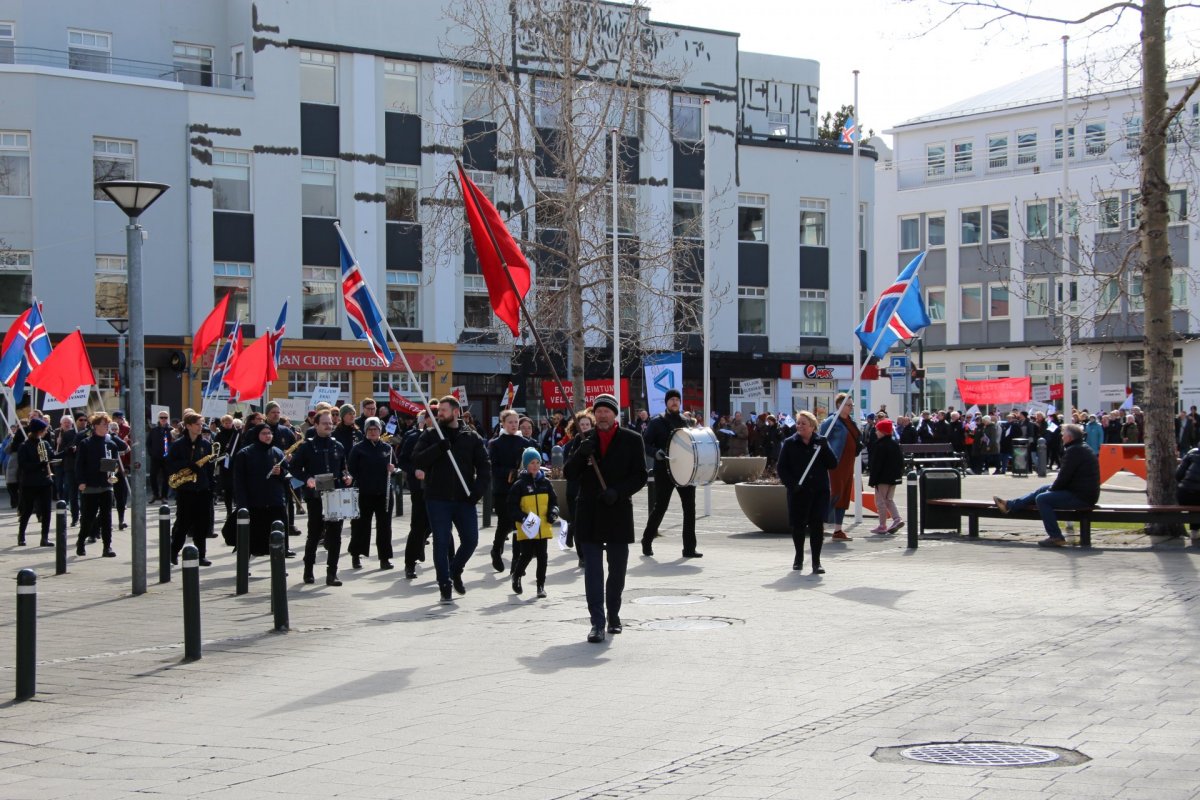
(37, 481)
(504, 453)
(657, 438)
(370, 465)
(260, 485)
(194, 499)
(610, 466)
(1077, 486)
(92, 480)
(158, 442)
(321, 455)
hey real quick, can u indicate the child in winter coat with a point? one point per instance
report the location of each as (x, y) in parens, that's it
(532, 494)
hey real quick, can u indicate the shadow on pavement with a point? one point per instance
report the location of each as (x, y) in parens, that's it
(373, 685)
(567, 656)
(648, 566)
(794, 579)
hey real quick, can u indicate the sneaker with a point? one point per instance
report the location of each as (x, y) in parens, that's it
(541, 590)
(840, 536)
(896, 527)
(879, 529)
(1001, 504)
(1053, 541)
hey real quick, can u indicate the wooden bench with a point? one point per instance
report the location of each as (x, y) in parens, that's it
(917, 456)
(974, 509)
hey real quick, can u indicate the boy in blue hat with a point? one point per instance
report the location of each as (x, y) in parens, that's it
(533, 506)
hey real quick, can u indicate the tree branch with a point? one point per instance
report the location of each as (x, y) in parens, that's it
(1005, 11)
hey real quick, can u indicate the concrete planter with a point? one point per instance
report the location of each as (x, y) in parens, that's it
(765, 505)
(741, 469)
(560, 491)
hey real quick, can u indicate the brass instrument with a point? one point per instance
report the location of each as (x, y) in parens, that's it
(187, 474)
(110, 465)
(287, 453)
(44, 456)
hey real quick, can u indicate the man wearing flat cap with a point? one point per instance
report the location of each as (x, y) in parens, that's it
(657, 438)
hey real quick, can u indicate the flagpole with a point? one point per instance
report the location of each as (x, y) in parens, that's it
(707, 422)
(855, 136)
(616, 303)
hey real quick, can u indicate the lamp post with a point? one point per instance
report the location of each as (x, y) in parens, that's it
(133, 198)
(121, 326)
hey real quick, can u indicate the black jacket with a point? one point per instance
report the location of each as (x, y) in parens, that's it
(319, 456)
(368, 462)
(794, 457)
(658, 433)
(157, 441)
(185, 453)
(886, 462)
(88, 453)
(347, 436)
(65, 444)
(253, 486)
(623, 466)
(441, 482)
(908, 434)
(404, 458)
(33, 470)
(1188, 474)
(504, 453)
(1079, 473)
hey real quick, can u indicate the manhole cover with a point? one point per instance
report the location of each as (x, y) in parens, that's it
(672, 599)
(980, 754)
(686, 624)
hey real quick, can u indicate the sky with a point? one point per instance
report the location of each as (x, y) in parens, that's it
(911, 58)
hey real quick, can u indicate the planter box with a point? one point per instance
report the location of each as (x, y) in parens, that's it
(765, 505)
(741, 469)
(560, 491)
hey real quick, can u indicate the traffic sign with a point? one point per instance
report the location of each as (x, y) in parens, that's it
(899, 362)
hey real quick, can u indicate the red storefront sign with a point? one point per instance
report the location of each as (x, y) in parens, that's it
(331, 360)
(552, 397)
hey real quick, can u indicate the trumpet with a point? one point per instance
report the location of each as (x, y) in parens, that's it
(44, 457)
(187, 474)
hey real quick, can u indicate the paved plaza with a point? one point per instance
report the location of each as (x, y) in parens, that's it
(735, 677)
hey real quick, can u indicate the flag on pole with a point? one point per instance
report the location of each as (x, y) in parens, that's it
(402, 405)
(510, 394)
(898, 313)
(366, 320)
(211, 329)
(849, 132)
(26, 345)
(490, 234)
(65, 369)
(224, 360)
(277, 333)
(251, 370)
(1127, 405)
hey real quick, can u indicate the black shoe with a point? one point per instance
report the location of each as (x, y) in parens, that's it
(91, 540)
(516, 584)
(290, 554)
(332, 579)
(647, 549)
(204, 562)
(308, 574)
(692, 554)
(46, 543)
(174, 559)
(74, 523)
(79, 551)
(614, 624)
(122, 526)
(108, 553)
(410, 572)
(596, 634)
(21, 542)
(445, 590)
(541, 590)
(497, 562)
(798, 565)
(818, 570)
(458, 584)
(356, 562)
(385, 564)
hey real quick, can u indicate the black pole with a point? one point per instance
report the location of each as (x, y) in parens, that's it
(913, 510)
(191, 603)
(487, 506)
(243, 551)
(398, 491)
(26, 634)
(164, 543)
(279, 578)
(60, 537)
(921, 366)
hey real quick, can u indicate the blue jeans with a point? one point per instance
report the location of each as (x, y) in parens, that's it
(443, 514)
(602, 596)
(1046, 502)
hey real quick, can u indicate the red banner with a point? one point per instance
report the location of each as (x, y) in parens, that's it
(1056, 391)
(996, 390)
(402, 405)
(552, 397)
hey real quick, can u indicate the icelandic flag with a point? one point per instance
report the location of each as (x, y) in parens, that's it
(26, 346)
(277, 332)
(366, 321)
(510, 394)
(223, 361)
(898, 313)
(849, 132)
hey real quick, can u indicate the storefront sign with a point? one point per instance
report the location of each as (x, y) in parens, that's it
(331, 360)
(818, 372)
(552, 397)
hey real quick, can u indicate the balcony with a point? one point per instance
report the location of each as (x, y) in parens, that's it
(99, 62)
(798, 143)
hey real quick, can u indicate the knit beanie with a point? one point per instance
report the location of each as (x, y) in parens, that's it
(530, 454)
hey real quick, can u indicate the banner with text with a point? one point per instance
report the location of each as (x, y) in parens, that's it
(552, 398)
(663, 371)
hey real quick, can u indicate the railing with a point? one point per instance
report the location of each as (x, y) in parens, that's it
(96, 61)
(747, 137)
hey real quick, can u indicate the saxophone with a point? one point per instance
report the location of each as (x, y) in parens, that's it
(187, 474)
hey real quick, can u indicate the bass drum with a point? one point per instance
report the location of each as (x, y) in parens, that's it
(693, 456)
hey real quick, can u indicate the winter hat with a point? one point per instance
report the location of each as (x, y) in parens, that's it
(347, 409)
(607, 401)
(530, 454)
(36, 425)
(672, 393)
(884, 427)
(372, 422)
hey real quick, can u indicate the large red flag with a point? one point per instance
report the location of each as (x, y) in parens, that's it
(996, 390)
(212, 329)
(65, 369)
(489, 232)
(252, 370)
(402, 405)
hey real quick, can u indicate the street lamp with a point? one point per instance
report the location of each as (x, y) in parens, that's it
(121, 326)
(134, 197)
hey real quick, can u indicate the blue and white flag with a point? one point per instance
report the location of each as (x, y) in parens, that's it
(224, 359)
(278, 331)
(27, 346)
(898, 313)
(849, 132)
(366, 320)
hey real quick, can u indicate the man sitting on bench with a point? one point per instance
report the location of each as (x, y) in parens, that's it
(1077, 486)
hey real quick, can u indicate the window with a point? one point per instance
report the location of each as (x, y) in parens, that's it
(14, 164)
(1108, 216)
(1037, 220)
(935, 385)
(689, 307)
(193, 64)
(1066, 293)
(1177, 209)
(935, 228)
(1137, 297)
(1133, 133)
(814, 312)
(318, 77)
(7, 42)
(984, 371)
(935, 303)
(935, 160)
(1095, 138)
(862, 226)
(383, 382)
(1058, 143)
(964, 157)
(626, 209)
(998, 151)
(16, 282)
(972, 226)
(910, 233)
(1110, 293)
(971, 307)
(998, 224)
(1135, 210)
(112, 160)
(548, 103)
(403, 296)
(89, 50)
(1037, 298)
(485, 182)
(1179, 287)
(997, 301)
(688, 210)
(752, 311)
(622, 111)
(779, 124)
(400, 87)
(686, 116)
(231, 180)
(812, 222)
(318, 187)
(1072, 213)
(752, 217)
(302, 382)
(550, 210)
(400, 188)
(237, 65)
(106, 383)
(111, 282)
(321, 291)
(478, 98)
(477, 310)
(1026, 147)
(234, 280)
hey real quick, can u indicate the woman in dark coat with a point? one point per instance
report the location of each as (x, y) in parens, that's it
(259, 485)
(804, 463)
(886, 468)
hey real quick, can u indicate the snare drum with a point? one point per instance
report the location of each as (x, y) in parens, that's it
(340, 504)
(693, 456)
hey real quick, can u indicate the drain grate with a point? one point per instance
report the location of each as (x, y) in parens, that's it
(688, 624)
(980, 754)
(672, 599)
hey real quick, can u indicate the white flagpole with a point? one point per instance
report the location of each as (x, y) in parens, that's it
(616, 303)
(704, 292)
(856, 484)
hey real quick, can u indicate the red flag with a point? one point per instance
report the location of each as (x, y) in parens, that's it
(489, 233)
(996, 390)
(401, 404)
(252, 370)
(510, 394)
(212, 329)
(65, 369)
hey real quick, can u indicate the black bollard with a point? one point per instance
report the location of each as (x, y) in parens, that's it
(650, 493)
(164, 543)
(191, 603)
(398, 492)
(243, 551)
(487, 507)
(914, 513)
(26, 634)
(279, 579)
(60, 538)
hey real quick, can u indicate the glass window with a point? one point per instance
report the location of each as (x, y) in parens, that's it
(403, 298)
(14, 164)
(1073, 213)
(112, 160)
(400, 87)
(752, 217)
(1177, 209)
(321, 291)
(485, 182)
(935, 303)
(1133, 132)
(1058, 143)
(1110, 294)
(686, 116)
(193, 64)
(936, 227)
(383, 382)
(1137, 299)
(1179, 287)
(478, 98)
(964, 157)
(1095, 138)
(318, 187)
(16, 282)
(1108, 217)
(752, 311)
(89, 50)
(814, 312)
(400, 188)
(111, 283)
(812, 221)
(997, 301)
(687, 211)
(302, 382)
(626, 208)
(477, 309)
(984, 371)
(1066, 293)
(550, 212)
(1037, 298)
(234, 280)
(935, 160)
(7, 42)
(971, 309)
(689, 307)
(910, 233)
(231, 180)
(548, 103)
(998, 151)
(1037, 220)
(318, 77)
(972, 226)
(1026, 147)
(998, 224)
(779, 124)
(1135, 210)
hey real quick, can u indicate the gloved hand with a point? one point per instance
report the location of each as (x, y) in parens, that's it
(609, 496)
(474, 497)
(587, 446)
(661, 455)
(552, 515)
(444, 444)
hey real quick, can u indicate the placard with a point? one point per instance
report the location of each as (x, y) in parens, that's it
(1041, 394)
(552, 397)
(156, 410)
(1113, 392)
(324, 394)
(664, 371)
(460, 392)
(294, 408)
(752, 389)
(214, 408)
(78, 399)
